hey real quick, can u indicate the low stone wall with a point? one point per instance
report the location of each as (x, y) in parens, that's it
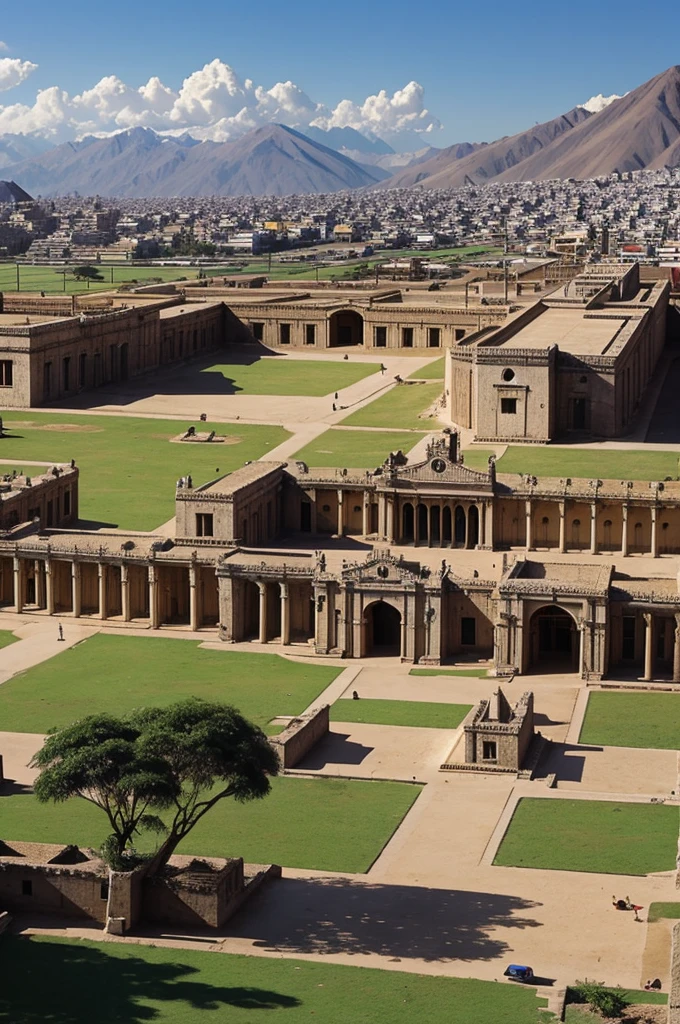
(300, 735)
(674, 994)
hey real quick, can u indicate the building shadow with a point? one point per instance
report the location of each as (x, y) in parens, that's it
(76, 983)
(664, 425)
(401, 922)
(567, 761)
(335, 748)
(10, 787)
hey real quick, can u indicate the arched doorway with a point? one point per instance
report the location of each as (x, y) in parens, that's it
(346, 328)
(382, 631)
(421, 524)
(554, 641)
(446, 525)
(459, 527)
(473, 527)
(407, 519)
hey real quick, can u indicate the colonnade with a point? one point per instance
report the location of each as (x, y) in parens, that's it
(590, 541)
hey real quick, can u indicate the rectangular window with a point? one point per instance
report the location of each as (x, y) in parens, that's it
(509, 406)
(67, 503)
(310, 334)
(47, 380)
(433, 337)
(468, 631)
(284, 334)
(204, 524)
(50, 513)
(381, 337)
(82, 369)
(258, 331)
(459, 333)
(407, 337)
(26, 888)
(489, 750)
(6, 373)
(103, 890)
(66, 373)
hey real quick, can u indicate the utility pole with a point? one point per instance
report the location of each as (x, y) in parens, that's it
(18, 285)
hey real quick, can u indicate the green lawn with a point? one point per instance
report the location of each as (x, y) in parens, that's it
(580, 462)
(632, 720)
(418, 714)
(433, 371)
(469, 673)
(277, 376)
(578, 1013)
(400, 407)
(322, 824)
(591, 835)
(117, 673)
(657, 911)
(7, 638)
(355, 449)
(128, 466)
(69, 981)
(478, 458)
(51, 279)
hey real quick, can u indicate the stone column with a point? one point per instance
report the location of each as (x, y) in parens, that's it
(655, 532)
(676, 649)
(428, 506)
(102, 571)
(154, 617)
(466, 542)
(366, 516)
(194, 599)
(40, 597)
(530, 536)
(390, 521)
(76, 588)
(593, 528)
(125, 593)
(481, 509)
(382, 515)
(262, 636)
(649, 648)
(49, 588)
(624, 530)
(18, 586)
(563, 523)
(341, 513)
(285, 613)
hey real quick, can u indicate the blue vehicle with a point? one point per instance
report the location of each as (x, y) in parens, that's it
(518, 972)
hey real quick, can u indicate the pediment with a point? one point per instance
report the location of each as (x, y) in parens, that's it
(441, 470)
(382, 567)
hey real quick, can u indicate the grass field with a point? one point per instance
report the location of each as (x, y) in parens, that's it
(128, 467)
(272, 376)
(321, 824)
(591, 835)
(469, 673)
(7, 638)
(400, 407)
(355, 449)
(112, 982)
(658, 911)
(433, 371)
(51, 279)
(415, 713)
(632, 720)
(117, 673)
(580, 462)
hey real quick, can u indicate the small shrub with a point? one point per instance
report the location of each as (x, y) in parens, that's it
(610, 1002)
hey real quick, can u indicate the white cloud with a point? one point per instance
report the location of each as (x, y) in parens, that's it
(14, 71)
(212, 102)
(3, 47)
(597, 103)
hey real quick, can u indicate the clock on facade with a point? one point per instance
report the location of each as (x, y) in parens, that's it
(438, 465)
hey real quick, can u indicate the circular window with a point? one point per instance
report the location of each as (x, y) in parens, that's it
(438, 465)
(383, 571)
(508, 375)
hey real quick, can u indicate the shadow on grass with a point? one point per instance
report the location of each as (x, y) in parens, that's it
(339, 915)
(71, 983)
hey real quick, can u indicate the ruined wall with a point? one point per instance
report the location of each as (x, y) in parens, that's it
(300, 736)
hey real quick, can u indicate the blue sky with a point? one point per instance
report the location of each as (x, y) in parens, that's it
(485, 70)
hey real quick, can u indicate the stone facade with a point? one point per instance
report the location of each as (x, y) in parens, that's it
(499, 735)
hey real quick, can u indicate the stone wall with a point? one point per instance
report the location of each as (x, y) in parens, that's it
(298, 738)
(54, 889)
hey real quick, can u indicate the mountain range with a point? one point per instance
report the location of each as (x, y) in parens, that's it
(627, 133)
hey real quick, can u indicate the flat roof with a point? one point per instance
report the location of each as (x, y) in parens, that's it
(26, 319)
(571, 329)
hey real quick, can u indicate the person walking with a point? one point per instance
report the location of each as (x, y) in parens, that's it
(61, 632)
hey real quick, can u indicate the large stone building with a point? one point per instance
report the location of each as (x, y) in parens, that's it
(424, 562)
(577, 362)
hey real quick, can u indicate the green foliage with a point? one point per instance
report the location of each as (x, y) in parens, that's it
(356, 449)
(186, 757)
(7, 638)
(401, 407)
(272, 375)
(610, 1002)
(85, 273)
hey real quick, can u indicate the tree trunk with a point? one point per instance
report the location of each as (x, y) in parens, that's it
(163, 854)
